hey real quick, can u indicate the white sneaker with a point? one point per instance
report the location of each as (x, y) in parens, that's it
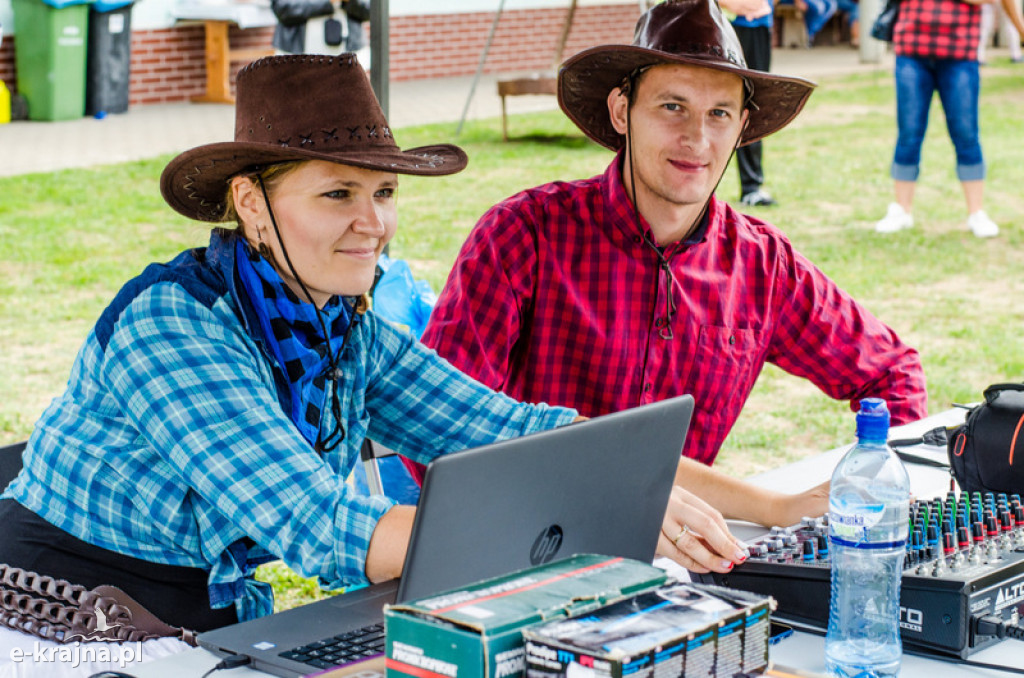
(895, 219)
(981, 226)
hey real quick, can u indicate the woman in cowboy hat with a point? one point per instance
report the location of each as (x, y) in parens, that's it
(220, 402)
(666, 286)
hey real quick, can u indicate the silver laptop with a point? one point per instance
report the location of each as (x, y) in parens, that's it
(599, 486)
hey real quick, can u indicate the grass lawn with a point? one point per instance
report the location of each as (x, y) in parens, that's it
(69, 239)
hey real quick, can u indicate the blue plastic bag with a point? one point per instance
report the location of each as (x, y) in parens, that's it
(398, 483)
(401, 299)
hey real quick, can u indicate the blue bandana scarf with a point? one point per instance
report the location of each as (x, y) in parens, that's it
(293, 333)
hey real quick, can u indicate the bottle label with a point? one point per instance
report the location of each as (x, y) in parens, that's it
(851, 527)
(854, 525)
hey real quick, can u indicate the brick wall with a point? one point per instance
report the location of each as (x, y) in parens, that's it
(7, 61)
(168, 64)
(442, 45)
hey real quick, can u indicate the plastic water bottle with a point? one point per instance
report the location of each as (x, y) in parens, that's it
(869, 506)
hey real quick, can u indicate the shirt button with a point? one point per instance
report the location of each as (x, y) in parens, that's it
(637, 239)
(661, 322)
(732, 340)
(647, 387)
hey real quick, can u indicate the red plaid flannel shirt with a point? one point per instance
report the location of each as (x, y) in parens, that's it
(555, 297)
(938, 29)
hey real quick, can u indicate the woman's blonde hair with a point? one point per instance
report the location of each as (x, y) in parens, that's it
(271, 176)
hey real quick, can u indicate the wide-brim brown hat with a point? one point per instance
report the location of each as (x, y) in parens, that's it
(690, 32)
(298, 107)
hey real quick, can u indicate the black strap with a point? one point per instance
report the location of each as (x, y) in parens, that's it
(937, 437)
(923, 461)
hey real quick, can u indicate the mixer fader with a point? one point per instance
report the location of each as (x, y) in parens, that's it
(963, 578)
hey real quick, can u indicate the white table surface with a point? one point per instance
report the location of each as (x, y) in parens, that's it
(805, 651)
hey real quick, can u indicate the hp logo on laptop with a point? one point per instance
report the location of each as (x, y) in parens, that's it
(546, 545)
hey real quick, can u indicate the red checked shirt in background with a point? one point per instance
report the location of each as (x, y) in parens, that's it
(938, 29)
(555, 297)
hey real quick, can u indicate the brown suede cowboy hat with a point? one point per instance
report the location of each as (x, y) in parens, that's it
(690, 32)
(298, 107)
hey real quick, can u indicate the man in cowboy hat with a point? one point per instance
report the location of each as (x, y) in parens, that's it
(639, 284)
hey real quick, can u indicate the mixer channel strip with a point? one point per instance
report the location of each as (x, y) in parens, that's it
(965, 560)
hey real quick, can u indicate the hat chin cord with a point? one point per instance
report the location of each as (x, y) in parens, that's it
(331, 372)
(663, 261)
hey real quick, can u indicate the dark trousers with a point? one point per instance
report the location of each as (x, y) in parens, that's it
(176, 595)
(757, 50)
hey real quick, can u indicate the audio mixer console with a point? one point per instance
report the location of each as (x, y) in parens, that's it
(964, 562)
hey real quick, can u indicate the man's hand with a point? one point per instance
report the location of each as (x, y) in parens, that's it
(790, 509)
(695, 535)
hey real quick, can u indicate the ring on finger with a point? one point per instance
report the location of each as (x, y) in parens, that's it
(685, 530)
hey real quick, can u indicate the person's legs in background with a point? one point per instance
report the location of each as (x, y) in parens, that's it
(816, 15)
(988, 24)
(851, 8)
(915, 85)
(993, 16)
(757, 51)
(959, 85)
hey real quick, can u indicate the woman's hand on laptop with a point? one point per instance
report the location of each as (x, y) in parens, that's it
(696, 536)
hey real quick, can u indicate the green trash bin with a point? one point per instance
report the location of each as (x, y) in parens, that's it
(50, 57)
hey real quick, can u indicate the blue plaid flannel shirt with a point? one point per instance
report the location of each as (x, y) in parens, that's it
(171, 443)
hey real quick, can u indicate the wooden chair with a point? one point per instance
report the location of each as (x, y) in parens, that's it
(539, 83)
(791, 28)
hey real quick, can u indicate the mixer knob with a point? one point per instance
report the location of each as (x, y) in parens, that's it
(963, 537)
(991, 526)
(978, 532)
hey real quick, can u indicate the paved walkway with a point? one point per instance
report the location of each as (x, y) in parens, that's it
(147, 131)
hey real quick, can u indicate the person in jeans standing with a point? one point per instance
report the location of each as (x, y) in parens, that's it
(936, 46)
(753, 26)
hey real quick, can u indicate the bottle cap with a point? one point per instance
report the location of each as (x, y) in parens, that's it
(873, 421)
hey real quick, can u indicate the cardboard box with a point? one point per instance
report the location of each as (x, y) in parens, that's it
(476, 631)
(680, 629)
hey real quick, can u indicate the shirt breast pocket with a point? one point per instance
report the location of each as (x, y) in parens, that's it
(726, 363)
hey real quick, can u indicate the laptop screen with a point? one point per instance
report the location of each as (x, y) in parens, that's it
(599, 486)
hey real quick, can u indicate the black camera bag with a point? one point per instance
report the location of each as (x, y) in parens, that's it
(986, 452)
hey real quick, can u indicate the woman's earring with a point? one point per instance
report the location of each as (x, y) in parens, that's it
(262, 246)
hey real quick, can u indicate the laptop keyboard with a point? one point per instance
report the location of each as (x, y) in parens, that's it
(341, 649)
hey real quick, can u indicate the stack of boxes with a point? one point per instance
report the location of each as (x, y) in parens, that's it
(587, 616)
